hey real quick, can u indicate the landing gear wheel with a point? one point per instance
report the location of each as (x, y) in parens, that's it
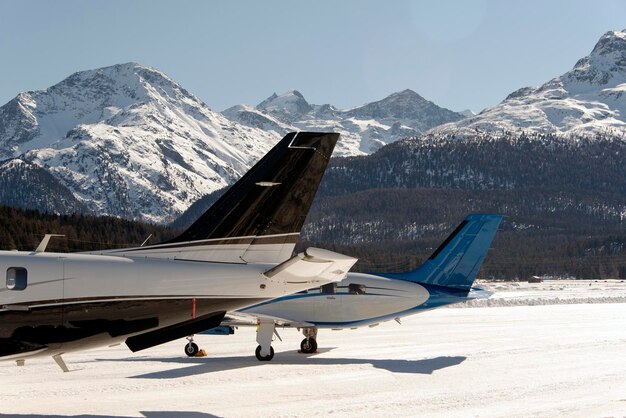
(259, 357)
(191, 349)
(308, 345)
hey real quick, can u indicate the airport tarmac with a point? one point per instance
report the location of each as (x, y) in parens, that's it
(545, 360)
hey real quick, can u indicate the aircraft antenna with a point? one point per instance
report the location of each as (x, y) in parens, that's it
(146, 240)
(44, 242)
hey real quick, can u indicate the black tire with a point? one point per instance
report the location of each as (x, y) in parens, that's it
(191, 349)
(308, 346)
(259, 357)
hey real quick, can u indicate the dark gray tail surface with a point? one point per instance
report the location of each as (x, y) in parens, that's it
(272, 198)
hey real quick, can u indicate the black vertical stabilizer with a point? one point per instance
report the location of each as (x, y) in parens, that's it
(274, 196)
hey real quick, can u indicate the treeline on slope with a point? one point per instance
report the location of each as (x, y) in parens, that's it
(23, 230)
(564, 199)
(545, 232)
(484, 163)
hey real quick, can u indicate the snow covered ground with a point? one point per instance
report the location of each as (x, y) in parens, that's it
(543, 360)
(550, 292)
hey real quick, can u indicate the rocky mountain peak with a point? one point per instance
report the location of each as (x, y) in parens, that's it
(405, 104)
(287, 107)
(406, 94)
(605, 64)
(407, 99)
(116, 84)
(611, 42)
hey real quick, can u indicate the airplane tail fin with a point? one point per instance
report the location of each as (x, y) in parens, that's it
(458, 259)
(260, 217)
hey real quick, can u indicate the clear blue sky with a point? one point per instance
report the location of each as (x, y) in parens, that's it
(459, 54)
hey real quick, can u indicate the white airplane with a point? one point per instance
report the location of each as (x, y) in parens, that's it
(236, 254)
(368, 299)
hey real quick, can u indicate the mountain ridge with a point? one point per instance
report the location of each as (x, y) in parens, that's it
(364, 128)
(586, 101)
(128, 141)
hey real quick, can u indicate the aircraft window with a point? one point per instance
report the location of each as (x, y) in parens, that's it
(356, 289)
(328, 289)
(16, 278)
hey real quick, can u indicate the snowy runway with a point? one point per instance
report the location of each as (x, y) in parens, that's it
(543, 360)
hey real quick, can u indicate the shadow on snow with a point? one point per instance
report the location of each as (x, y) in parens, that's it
(203, 365)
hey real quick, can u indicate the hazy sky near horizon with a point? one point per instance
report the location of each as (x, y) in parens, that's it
(458, 54)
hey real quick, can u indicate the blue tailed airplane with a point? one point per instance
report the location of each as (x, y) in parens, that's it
(368, 299)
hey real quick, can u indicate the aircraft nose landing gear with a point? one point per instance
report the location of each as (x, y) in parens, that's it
(309, 345)
(191, 348)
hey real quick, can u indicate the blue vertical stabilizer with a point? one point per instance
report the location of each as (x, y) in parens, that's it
(458, 259)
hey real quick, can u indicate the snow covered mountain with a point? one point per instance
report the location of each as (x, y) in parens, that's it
(128, 141)
(363, 129)
(588, 100)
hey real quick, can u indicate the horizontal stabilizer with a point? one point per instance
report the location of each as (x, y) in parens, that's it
(312, 266)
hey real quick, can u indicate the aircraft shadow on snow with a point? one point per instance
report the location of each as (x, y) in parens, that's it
(146, 414)
(202, 365)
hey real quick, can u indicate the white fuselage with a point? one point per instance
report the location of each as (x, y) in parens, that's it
(73, 301)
